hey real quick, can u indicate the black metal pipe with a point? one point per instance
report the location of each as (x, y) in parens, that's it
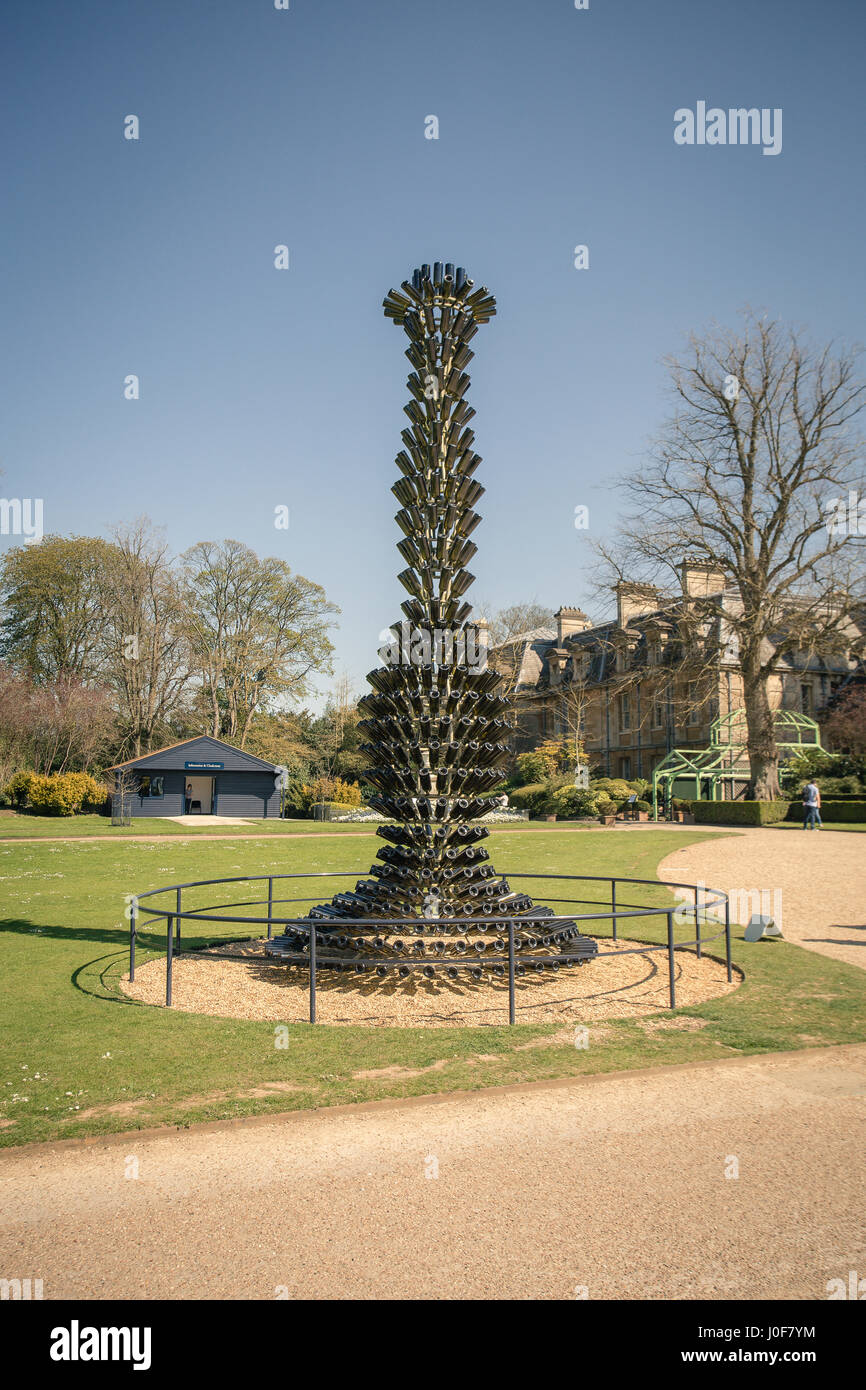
(671, 980)
(510, 972)
(168, 954)
(728, 936)
(313, 975)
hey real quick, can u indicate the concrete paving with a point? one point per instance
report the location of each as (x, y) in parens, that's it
(607, 1187)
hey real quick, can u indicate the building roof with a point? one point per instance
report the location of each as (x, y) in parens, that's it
(204, 745)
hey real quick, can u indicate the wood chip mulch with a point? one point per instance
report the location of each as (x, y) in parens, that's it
(617, 985)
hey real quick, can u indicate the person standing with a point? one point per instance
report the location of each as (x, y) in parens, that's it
(811, 806)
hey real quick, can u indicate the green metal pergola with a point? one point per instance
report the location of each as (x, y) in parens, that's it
(726, 758)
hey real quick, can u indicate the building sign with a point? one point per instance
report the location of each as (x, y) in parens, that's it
(203, 767)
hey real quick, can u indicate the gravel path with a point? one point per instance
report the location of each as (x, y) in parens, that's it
(613, 1185)
(814, 883)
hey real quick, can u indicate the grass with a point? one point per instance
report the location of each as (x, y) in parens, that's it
(90, 1061)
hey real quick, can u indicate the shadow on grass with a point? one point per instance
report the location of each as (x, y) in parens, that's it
(20, 926)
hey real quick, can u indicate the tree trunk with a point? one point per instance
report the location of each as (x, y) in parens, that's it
(761, 745)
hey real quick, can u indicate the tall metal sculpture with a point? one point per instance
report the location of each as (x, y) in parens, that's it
(435, 720)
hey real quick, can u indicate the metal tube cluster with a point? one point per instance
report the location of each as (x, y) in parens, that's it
(435, 722)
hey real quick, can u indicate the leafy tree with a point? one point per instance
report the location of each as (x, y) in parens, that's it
(256, 632)
(54, 599)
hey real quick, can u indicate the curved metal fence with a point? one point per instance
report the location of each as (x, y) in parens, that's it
(315, 955)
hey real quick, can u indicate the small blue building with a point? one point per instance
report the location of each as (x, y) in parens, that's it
(201, 776)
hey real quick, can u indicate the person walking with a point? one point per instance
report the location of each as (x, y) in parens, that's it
(811, 806)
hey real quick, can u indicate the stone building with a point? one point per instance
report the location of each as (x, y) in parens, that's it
(650, 679)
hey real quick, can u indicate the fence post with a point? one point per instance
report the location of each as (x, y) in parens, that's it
(133, 922)
(510, 972)
(613, 906)
(270, 905)
(168, 955)
(177, 919)
(697, 923)
(673, 988)
(312, 974)
(728, 936)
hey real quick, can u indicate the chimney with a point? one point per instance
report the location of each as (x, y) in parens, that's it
(633, 601)
(701, 578)
(568, 622)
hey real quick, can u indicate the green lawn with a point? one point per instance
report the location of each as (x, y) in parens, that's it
(71, 1042)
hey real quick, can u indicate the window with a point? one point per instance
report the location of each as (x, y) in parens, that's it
(658, 714)
(150, 786)
(805, 699)
(625, 768)
(624, 712)
(692, 698)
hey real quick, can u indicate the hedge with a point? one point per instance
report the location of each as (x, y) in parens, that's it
(771, 812)
(739, 812)
(839, 811)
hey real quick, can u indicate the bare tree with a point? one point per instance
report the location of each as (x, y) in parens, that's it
(746, 474)
(505, 623)
(147, 659)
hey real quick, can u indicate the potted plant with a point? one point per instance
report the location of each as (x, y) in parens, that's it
(641, 810)
(607, 812)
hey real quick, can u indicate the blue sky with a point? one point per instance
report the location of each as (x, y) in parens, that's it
(262, 388)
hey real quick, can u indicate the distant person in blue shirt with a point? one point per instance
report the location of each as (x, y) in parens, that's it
(811, 807)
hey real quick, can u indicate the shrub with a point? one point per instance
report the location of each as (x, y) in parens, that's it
(17, 789)
(616, 788)
(305, 795)
(575, 802)
(642, 805)
(606, 807)
(331, 810)
(534, 767)
(523, 797)
(65, 793)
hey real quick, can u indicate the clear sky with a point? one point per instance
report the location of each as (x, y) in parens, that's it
(306, 127)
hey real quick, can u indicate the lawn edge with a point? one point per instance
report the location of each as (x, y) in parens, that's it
(49, 1146)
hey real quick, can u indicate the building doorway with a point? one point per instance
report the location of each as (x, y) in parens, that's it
(199, 796)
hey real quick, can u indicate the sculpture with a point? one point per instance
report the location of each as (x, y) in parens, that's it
(435, 722)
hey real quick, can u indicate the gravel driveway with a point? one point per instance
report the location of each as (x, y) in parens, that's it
(820, 879)
(619, 1186)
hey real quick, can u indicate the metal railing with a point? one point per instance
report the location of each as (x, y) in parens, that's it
(710, 900)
